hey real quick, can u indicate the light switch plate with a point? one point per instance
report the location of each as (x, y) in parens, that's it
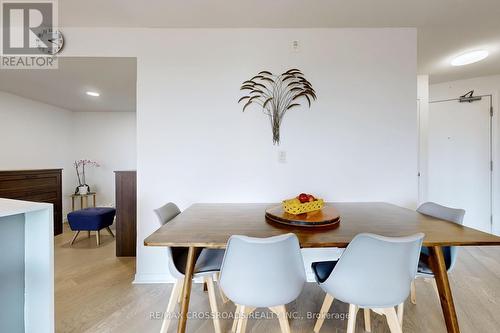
(282, 156)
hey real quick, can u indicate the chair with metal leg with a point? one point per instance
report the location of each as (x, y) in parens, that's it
(207, 267)
(450, 252)
(262, 273)
(374, 274)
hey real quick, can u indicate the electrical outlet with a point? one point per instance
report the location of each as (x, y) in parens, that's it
(295, 46)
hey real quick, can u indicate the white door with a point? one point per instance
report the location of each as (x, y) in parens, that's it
(459, 159)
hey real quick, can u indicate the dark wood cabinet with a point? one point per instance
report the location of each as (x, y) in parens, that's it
(126, 213)
(35, 185)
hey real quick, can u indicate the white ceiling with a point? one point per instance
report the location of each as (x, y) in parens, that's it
(113, 78)
(446, 27)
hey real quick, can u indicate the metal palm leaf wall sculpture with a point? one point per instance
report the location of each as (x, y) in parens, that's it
(276, 94)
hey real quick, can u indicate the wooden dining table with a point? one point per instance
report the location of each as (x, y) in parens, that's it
(210, 226)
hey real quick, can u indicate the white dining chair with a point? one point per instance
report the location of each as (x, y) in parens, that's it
(262, 273)
(450, 253)
(207, 267)
(374, 273)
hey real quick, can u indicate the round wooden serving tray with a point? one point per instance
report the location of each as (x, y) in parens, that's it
(326, 217)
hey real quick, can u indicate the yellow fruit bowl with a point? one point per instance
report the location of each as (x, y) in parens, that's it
(295, 207)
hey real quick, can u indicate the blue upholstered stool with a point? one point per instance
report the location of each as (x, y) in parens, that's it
(91, 219)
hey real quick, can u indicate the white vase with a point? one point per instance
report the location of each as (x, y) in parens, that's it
(82, 190)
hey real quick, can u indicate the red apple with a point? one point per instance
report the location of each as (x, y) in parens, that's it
(303, 197)
(311, 198)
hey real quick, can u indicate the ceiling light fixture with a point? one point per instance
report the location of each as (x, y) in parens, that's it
(469, 58)
(93, 93)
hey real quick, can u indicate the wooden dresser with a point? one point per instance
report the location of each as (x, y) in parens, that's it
(35, 185)
(126, 213)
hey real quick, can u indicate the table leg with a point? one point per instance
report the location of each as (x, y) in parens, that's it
(81, 202)
(438, 266)
(72, 204)
(186, 290)
(93, 199)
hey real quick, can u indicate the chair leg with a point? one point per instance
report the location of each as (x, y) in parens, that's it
(327, 303)
(88, 234)
(400, 313)
(236, 317)
(74, 238)
(413, 292)
(213, 303)
(245, 311)
(110, 232)
(368, 320)
(351, 322)
(392, 320)
(280, 311)
(172, 301)
(221, 292)
(179, 298)
(97, 235)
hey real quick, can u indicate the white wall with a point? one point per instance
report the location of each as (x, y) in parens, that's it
(110, 139)
(358, 142)
(423, 116)
(34, 135)
(482, 86)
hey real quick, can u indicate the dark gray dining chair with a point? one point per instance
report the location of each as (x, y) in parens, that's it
(207, 267)
(449, 252)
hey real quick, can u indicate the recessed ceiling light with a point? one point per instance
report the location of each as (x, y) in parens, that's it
(93, 93)
(469, 58)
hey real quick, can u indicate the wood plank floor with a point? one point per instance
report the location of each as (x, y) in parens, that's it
(94, 293)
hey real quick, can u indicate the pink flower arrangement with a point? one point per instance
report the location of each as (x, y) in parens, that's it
(82, 164)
